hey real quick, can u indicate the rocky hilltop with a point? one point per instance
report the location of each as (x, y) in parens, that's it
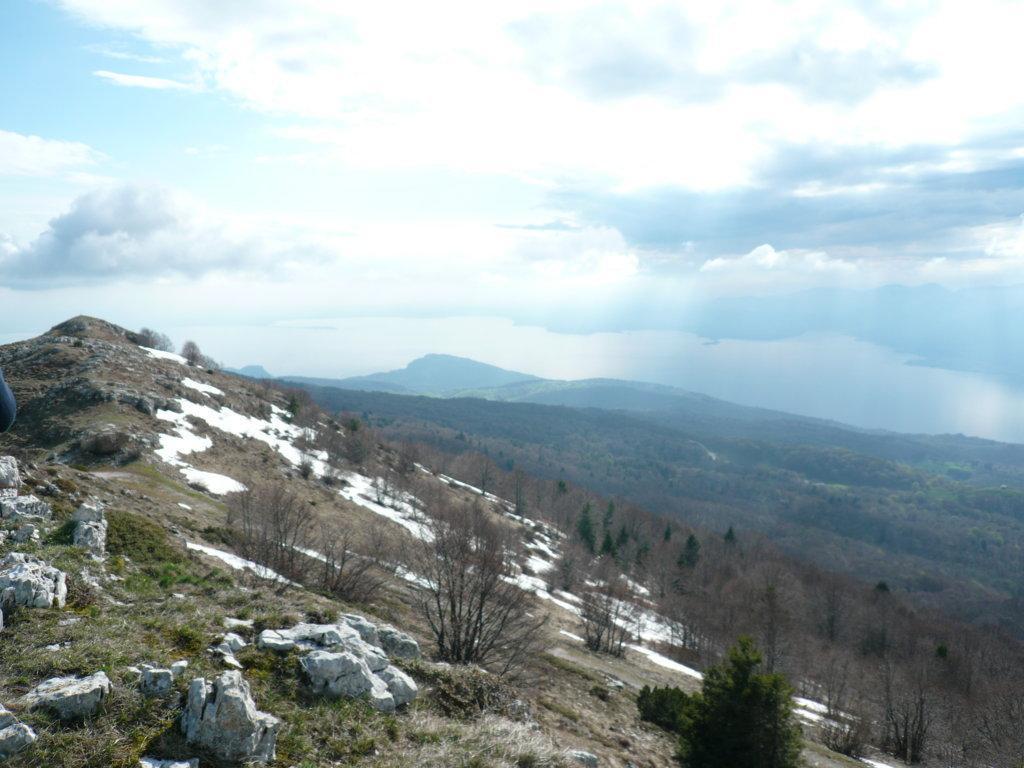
(137, 630)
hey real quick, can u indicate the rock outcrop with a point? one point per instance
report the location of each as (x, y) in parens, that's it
(70, 698)
(90, 530)
(22, 508)
(398, 645)
(14, 735)
(27, 581)
(152, 762)
(347, 660)
(580, 757)
(222, 718)
(10, 478)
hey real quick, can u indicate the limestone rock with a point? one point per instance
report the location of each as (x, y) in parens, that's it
(363, 626)
(14, 735)
(27, 532)
(345, 675)
(582, 758)
(152, 762)
(397, 644)
(90, 531)
(25, 508)
(156, 681)
(71, 698)
(27, 581)
(223, 718)
(10, 479)
(402, 687)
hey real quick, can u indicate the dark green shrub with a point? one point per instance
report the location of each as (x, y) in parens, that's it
(665, 707)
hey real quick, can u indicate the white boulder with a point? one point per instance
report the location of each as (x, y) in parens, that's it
(398, 645)
(152, 762)
(24, 508)
(90, 530)
(402, 688)
(10, 479)
(14, 735)
(27, 581)
(71, 698)
(223, 718)
(366, 629)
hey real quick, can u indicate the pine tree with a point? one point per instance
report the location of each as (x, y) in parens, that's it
(622, 539)
(742, 718)
(585, 529)
(608, 545)
(730, 536)
(609, 513)
(690, 553)
(668, 533)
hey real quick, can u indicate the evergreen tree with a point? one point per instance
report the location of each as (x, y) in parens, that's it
(742, 718)
(730, 536)
(609, 513)
(608, 545)
(690, 553)
(668, 532)
(623, 537)
(585, 529)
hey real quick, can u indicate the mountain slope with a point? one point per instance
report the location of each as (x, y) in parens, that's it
(981, 462)
(430, 375)
(869, 517)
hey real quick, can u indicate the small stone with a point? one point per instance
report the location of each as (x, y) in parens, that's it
(178, 668)
(582, 758)
(155, 681)
(152, 762)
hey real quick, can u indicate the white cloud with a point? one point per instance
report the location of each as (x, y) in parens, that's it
(715, 86)
(126, 233)
(765, 258)
(25, 155)
(144, 81)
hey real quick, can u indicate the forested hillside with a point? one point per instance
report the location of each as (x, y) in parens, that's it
(950, 544)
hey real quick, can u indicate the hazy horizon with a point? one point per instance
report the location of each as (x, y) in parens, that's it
(832, 193)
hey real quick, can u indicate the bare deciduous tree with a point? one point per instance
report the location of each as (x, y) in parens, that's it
(155, 340)
(476, 611)
(354, 562)
(272, 527)
(608, 615)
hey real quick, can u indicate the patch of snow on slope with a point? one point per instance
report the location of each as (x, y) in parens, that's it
(276, 433)
(665, 661)
(211, 481)
(159, 354)
(571, 636)
(359, 490)
(239, 563)
(875, 763)
(173, 447)
(198, 386)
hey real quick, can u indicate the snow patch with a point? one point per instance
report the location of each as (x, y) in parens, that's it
(360, 490)
(667, 663)
(206, 389)
(239, 563)
(159, 354)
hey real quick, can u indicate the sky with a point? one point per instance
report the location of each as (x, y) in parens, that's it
(747, 171)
